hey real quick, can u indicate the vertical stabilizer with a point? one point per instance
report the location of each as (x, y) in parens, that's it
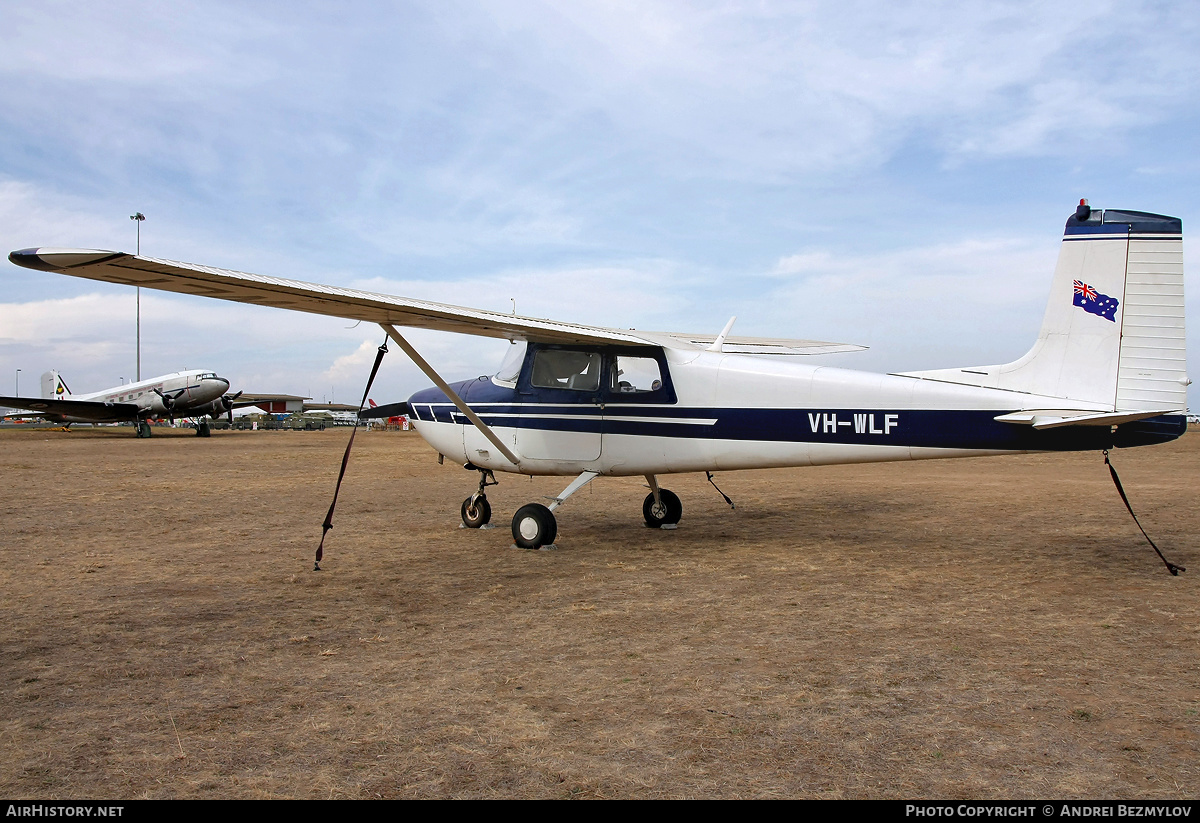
(54, 387)
(1112, 337)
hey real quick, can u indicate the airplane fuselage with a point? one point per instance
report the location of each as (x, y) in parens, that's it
(191, 393)
(719, 412)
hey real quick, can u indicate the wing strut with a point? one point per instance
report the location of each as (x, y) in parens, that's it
(449, 392)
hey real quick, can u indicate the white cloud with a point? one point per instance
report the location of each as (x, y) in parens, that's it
(942, 305)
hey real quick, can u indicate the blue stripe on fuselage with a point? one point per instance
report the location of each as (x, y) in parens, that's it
(942, 428)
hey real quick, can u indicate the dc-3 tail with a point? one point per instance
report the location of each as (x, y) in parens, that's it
(1113, 333)
(54, 387)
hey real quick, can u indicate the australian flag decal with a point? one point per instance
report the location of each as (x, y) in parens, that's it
(1093, 302)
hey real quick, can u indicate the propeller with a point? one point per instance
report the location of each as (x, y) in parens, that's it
(168, 400)
(224, 405)
(228, 402)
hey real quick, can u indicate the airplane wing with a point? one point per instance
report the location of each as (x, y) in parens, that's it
(401, 409)
(752, 345)
(244, 400)
(92, 410)
(335, 301)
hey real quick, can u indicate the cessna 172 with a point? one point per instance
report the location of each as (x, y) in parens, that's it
(180, 394)
(1108, 369)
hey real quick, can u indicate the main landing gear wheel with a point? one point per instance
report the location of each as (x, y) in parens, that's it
(143, 429)
(202, 429)
(476, 512)
(667, 512)
(534, 526)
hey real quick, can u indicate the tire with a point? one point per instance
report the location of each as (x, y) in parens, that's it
(666, 514)
(477, 515)
(534, 526)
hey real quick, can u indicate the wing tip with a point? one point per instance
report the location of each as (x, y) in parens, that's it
(54, 259)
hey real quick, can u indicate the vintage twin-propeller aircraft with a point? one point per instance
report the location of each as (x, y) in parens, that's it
(1108, 369)
(195, 393)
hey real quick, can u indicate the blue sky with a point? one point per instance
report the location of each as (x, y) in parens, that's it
(895, 175)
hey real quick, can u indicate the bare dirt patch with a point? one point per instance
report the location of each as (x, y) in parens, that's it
(986, 628)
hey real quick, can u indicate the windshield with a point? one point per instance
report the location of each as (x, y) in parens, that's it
(510, 367)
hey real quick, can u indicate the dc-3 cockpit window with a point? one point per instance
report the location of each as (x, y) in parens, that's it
(631, 375)
(510, 367)
(559, 369)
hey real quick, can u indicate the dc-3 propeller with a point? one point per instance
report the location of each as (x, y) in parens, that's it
(168, 400)
(227, 401)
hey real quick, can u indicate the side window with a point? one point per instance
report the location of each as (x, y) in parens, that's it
(631, 375)
(557, 369)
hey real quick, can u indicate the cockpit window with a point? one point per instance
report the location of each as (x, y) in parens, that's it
(560, 369)
(510, 367)
(631, 375)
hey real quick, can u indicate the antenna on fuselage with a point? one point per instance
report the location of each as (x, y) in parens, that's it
(720, 341)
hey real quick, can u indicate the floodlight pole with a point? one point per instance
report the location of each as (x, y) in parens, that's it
(17, 389)
(138, 218)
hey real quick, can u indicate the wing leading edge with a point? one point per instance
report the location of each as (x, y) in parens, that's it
(93, 410)
(371, 307)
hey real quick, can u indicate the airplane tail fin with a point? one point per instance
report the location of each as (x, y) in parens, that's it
(1113, 332)
(54, 387)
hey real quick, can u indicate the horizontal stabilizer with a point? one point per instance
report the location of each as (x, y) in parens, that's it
(1053, 419)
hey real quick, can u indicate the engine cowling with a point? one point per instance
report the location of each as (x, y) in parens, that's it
(221, 406)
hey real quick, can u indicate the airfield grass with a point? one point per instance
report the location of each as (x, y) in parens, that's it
(985, 628)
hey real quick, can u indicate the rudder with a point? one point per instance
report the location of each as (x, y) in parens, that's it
(54, 387)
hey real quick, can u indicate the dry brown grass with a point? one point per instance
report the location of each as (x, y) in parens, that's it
(990, 628)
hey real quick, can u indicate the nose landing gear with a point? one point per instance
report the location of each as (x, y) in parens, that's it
(476, 510)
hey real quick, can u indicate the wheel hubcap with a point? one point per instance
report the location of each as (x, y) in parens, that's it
(529, 528)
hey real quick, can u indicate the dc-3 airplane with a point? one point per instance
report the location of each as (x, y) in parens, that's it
(179, 394)
(1108, 369)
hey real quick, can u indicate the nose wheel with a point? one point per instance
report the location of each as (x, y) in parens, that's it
(476, 510)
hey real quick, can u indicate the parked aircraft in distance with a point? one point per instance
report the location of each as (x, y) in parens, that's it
(195, 393)
(1107, 369)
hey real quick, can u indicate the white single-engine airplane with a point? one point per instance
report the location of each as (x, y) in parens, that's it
(180, 394)
(1108, 369)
